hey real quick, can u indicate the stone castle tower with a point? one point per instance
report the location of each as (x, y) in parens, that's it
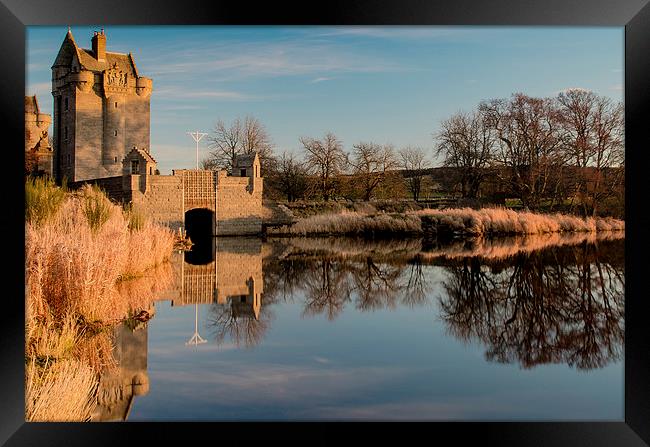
(101, 110)
(37, 146)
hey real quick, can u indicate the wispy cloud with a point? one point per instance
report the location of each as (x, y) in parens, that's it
(218, 62)
(321, 79)
(34, 66)
(39, 89)
(396, 32)
(179, 107)
(235, 383)
(189, 93)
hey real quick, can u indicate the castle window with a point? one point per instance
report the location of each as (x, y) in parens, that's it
(150, 170)
(116, 104)
(135, 166)
(115, 133)
(243, 172)
(115, 159)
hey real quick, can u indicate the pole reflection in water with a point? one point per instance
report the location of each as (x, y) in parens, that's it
(196, 338)
(526, 302)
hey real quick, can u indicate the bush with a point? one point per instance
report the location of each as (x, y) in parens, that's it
(135, 217)
(42, 199)
(97, 206)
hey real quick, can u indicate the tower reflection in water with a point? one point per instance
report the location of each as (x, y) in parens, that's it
(225, 274)
(526, 302)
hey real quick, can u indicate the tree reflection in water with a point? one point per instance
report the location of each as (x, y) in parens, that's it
(244, 330)
(548, 306)
(556, 304)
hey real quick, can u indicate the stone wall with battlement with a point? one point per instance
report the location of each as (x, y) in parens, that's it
(162, 200)
(236, 201)
(239, 205)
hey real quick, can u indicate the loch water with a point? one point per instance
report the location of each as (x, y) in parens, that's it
(528, 328)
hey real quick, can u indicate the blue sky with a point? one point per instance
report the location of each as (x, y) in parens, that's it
(382, 84)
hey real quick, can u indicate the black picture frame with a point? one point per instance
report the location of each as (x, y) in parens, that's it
(634, 15)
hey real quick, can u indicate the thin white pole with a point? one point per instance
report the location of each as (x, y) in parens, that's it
(197, 136)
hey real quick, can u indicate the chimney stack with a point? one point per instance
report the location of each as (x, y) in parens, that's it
(99, 45)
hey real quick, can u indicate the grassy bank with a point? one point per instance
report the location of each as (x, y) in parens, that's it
(80, 250)
(454, 222)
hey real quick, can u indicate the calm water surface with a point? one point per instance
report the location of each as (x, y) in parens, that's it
(339, 329)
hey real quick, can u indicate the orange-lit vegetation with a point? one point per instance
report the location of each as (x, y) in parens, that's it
(82, 255)
(461, 221)
(406, 250)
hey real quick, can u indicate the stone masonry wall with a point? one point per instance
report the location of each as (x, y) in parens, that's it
(163, 200)
(162, 197)
(111, 185)
(239, 205)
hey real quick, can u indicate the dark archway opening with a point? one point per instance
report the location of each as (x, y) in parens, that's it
(199, 224)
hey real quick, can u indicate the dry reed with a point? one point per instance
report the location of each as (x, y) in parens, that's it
(42, 199)
(352, 222)
(79, 250)
(63, 392)
(462, 221)
(73, 261)
(489, 221)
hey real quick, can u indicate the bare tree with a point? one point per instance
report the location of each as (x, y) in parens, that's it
(241, 137)
(290, 176)
(529, 145)
(208, 164)
(466, 142)
(255, 138)
(594, 141)
(226, 144)
(414, 161)
(326, 159)
(371, 163)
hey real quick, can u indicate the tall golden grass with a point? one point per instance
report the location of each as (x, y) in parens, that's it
(352, 222)
(462, 221)
(80, 251)
(488, 221)
(42, 199)
(74, 261)
(61, 393)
